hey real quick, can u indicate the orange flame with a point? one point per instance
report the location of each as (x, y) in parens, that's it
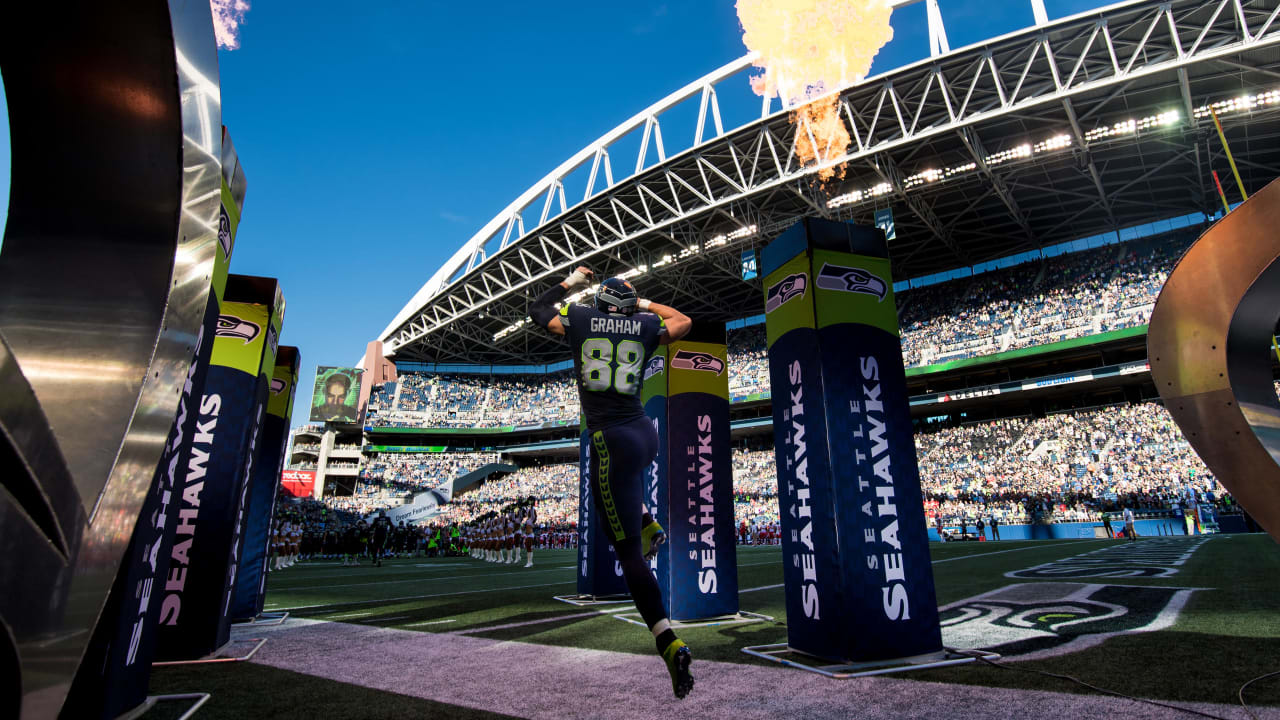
(808, 48)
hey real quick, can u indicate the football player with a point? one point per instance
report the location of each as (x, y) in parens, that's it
(612, 342)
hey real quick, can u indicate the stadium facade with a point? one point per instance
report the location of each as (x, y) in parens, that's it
(1089, 139)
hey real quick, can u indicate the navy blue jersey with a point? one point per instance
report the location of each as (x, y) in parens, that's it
(609, 356)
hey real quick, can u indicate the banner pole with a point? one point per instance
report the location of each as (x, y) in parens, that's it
(1221, 194)
(1234, 171)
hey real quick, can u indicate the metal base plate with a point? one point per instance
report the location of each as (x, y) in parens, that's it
(592, 600)
(264, 619)
(738, 618)
(944, 658)
(218, 655)
(152, 700)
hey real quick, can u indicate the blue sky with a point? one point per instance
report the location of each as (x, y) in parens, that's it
(399, 128)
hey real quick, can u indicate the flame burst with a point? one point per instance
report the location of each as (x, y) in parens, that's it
(227, 16)
(808, 48)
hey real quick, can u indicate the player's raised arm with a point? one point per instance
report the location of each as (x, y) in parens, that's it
(543, 312)
(677, 323)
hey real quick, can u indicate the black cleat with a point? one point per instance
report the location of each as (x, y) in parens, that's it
(679, 657)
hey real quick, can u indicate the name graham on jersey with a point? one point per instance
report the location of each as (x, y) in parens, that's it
(893, 591)
(615, 325)
(798, 463)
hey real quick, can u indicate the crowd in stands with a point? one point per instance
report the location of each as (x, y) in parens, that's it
(755, 487)
(1065, 467)
(332, 531)
(1034, 303)
(748, 362)
(555, 486)
(428, 400)
(398, 474)
(1070, 466)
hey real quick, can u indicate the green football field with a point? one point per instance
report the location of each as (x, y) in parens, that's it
(1182, 620)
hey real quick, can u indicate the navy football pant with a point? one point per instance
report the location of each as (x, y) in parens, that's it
(619, 457)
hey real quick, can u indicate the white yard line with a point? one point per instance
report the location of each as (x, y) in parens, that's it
(473, 631)
(758, 589)
(339, 586)
(434, 579)
(348, 616)
(1001, 552)
(429, 622)
(421, 597)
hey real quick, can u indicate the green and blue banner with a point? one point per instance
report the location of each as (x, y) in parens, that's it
(599, 572)
(690, 485)
(251, 577)
(857, 571)
(212, 487)
(657, 495)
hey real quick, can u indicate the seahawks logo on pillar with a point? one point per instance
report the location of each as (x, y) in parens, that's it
(278, 386)
(692, 360)
(854, 280)
(272, 339)
(230, 326)
(1047, 618)
(224, 233)
(656, 366)
(785, 290)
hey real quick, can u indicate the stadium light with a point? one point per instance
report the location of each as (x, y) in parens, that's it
(1057, 142)
(724, 239)
(1004, 156)
(1237, 104)
(1132, 125)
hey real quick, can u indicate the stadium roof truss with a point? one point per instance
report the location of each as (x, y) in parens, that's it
(1077, 126)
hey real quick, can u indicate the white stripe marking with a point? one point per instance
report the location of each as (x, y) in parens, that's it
(472, 631)
(758, 589)
(304, 588)
(429, 622)
(1001, 552)
(421, 597)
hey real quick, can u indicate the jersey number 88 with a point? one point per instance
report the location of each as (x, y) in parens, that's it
(603, 368)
